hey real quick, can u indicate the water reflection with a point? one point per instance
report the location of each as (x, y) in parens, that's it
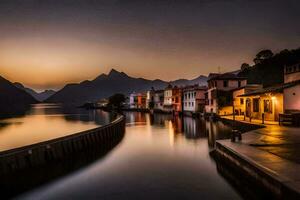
(160, 157)
(29, 178)
(47, 121)
(190, 128)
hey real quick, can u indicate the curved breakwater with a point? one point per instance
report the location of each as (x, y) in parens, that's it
(60, 148)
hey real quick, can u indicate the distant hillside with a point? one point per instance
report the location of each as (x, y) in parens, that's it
(40, 96)
(106, 85)
(269, 68)
(200, 80)
(12, 99)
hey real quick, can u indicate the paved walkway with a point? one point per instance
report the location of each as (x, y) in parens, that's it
(253, 121)
(275, 149)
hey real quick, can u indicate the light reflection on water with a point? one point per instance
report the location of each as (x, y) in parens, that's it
(47, 121)
(160, 157)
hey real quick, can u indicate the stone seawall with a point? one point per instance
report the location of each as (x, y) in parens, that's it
(265, 182)
(59, 149)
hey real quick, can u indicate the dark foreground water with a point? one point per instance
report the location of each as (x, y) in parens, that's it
(160, 157)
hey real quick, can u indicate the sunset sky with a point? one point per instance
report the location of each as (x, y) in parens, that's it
(46, 44)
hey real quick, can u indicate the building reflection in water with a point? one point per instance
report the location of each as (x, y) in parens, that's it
(187, 127)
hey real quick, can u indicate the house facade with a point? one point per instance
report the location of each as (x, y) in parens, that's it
(137, 101)
(219, 93)
(265, 103)
(168, 94)
(159, 100)
(239, 102)
(176, 99)
(291, 95)
(194, 99)
(150, 98)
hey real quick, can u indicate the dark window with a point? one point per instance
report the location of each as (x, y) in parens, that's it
(239, 83)
(241, 101)
(256, 105)
(211, 102)
(225, 83)
(268, 106)
(176, 100)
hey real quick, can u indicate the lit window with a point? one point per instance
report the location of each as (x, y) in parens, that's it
(268, 106)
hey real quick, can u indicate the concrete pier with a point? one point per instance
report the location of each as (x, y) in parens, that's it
(279, 176)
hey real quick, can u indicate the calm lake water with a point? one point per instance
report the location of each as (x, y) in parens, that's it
(47, 121)
(160, 157)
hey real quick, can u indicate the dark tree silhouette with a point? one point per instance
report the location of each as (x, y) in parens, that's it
(245, 66)
(270, 71)
(263, 55)
(116, 101)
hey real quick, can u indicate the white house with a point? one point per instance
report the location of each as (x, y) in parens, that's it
(137, 100)
(218, 87)
(150, 98)
(291, 91)
(159, 100)
(194, 99)
(168, 92)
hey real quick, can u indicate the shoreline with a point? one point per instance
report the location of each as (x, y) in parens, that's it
(259, 167)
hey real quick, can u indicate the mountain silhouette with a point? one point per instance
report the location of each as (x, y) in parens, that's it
(13, 100)
(106, 85)
(40, 96)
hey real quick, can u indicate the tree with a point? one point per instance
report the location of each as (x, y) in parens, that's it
(151, 104)
(263, 55)
(245, 66)
(116, 101)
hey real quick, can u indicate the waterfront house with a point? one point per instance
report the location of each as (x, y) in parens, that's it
(268, 103)
(168, 107)
(150, 98)
(194, 99)
(159, 100)
(219, 93)
(291, 94)
(265, 103)
(137, 101)
(176, 99)
(239, 102)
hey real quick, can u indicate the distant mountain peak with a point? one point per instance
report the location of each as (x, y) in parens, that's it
(115, 73)
(40, 96)
(19, 85)
(115, 81)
